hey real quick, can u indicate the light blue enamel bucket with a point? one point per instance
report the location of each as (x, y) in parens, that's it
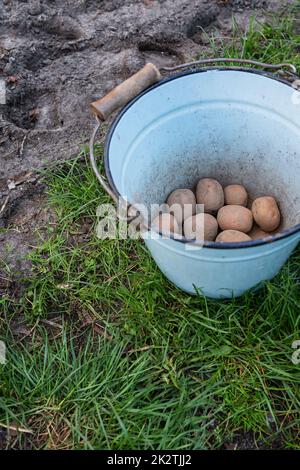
(233, 124)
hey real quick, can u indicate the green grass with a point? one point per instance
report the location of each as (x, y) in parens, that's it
(130, 362)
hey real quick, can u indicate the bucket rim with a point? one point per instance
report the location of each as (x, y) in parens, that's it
(207, 244)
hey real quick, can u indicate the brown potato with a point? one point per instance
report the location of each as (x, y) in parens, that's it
(235, 218)
(165, 223)
(257, 233)
(201, 226)
(233, 236)
(236, 194)
(266, 213)
(182, 203)
(210, 193)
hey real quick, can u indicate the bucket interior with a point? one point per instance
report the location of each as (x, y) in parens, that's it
(235, 126)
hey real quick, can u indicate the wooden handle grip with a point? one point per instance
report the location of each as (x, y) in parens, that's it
(126, 91)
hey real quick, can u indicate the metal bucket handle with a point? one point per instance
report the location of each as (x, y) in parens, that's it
(140, 81)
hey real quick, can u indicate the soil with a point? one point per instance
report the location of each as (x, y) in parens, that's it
(55, 58)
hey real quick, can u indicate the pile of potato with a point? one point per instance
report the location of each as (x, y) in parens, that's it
(228, 215)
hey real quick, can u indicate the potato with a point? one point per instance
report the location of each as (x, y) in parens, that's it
(231, 236)
(257, 233)
(210, 193)
(266, 213)
(235, 218)
(165, 223)
(201, 226)
(182, 203)
(236, 194)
